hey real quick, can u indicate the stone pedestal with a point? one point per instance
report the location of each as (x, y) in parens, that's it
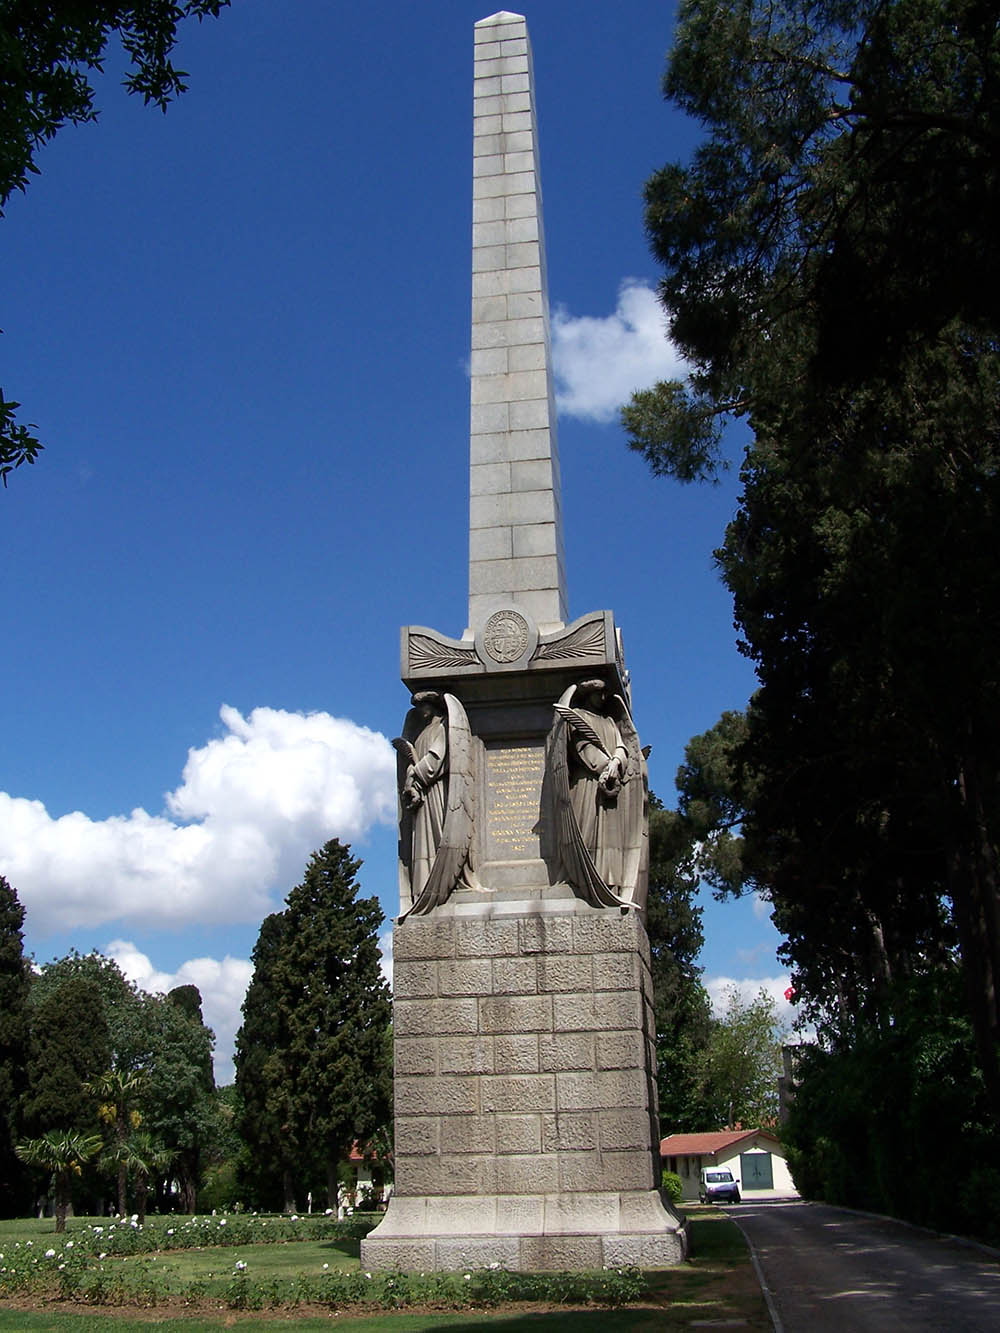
(526, 1127)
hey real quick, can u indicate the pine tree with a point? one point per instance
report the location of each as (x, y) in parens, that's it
(13, 1046)
(311, 1055)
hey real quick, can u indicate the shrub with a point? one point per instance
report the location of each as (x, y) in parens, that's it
(672, 1186)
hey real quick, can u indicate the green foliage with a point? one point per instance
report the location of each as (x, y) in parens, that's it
(88, 1268)
(739, 1067)
(263, 1121)
(672, 1185)
(69, 1045)
(698, 842)
(829, 260)
(121, 1004)
(116, 1094)
(179, 1105)
(49, 52)
(61, 1154)
(681, 1005)
(17, 443)
(13, 1047)
(312, 1070)
(899, 1121)
(842, 205)
(676, 430)
(152, 1064)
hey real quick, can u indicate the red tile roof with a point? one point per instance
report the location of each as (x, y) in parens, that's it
(690, 1145)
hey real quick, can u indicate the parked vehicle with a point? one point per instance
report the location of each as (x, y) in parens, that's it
(718, 1184)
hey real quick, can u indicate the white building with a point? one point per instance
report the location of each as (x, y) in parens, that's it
(755, 1157)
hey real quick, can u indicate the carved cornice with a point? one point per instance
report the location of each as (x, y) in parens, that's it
(584, 641)
(591, 642)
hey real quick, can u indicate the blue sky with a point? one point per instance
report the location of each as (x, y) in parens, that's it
(242, 330)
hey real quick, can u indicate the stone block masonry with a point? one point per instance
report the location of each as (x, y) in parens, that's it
(525, 1114)
(515, 519)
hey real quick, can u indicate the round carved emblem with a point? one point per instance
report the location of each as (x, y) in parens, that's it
(505, 636)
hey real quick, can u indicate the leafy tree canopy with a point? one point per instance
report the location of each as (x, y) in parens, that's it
(830, 264)
(841, 209)
(739, 1067)
(151, 1055)
(122, 1004)
(69, 1046)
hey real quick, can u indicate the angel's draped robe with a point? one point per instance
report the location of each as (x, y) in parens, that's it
(431, 749)
(598, 818)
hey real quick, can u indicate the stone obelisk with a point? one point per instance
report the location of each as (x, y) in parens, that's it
(515, 520)
(526, 1126)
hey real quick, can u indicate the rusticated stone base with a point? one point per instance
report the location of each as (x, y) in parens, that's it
(526, 1129)
(526, 1232)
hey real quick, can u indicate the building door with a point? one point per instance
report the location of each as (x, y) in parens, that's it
(756, 1171)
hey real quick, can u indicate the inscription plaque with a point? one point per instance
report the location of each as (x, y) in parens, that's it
(514, 786)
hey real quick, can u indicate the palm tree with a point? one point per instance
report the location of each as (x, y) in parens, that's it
(137, 1157)
(116, 1092)
(62, 1152)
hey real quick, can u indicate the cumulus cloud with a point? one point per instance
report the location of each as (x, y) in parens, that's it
(251, 805)
(600, 362)
(749, 988)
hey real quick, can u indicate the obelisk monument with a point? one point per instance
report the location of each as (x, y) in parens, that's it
(526, 1126)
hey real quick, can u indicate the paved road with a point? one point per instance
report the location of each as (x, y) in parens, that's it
(828, 1269)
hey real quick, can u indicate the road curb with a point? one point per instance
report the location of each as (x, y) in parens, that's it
(772, 1309)
(967, 1241)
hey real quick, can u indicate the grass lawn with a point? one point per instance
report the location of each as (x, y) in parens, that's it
(717, 1284)
(213, 1267)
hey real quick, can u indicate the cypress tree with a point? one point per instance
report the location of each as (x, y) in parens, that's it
(312, 1064)
(13, 1046)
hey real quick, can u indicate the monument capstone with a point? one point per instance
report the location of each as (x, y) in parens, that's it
(526, 1126)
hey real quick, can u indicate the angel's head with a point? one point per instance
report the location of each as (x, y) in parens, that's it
(428, 703)
(590, 694)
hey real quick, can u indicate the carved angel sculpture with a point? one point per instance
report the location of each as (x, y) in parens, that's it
(600, 796)
(437, 801)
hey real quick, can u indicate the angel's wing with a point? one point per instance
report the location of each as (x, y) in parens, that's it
(576, 863)
(454, 854)
(405, 756)
(633, 807)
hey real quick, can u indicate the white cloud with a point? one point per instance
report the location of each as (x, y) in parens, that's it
(251, 806)
(762, 908)
(600, 362)
(223, 986)
(385, 945)
(748, 989)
